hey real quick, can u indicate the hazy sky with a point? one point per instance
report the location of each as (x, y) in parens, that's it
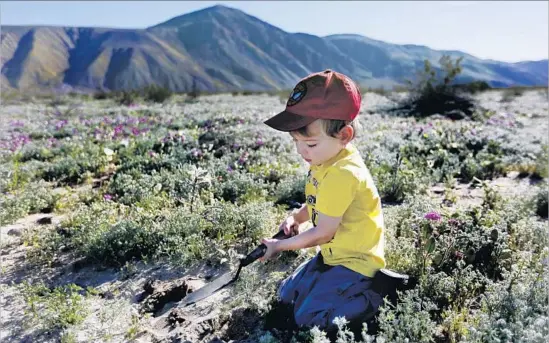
(506, 31)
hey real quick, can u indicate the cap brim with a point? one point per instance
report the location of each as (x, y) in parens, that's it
(287, 121)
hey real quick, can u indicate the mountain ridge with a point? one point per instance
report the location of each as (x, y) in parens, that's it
(220, 48)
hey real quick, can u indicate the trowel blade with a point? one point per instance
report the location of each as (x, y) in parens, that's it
(207, 290)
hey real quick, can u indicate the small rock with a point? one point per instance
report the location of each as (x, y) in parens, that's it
(107, 295)
(437, 189)
(44, 221)
(15, 231)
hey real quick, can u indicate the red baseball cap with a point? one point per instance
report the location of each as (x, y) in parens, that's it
(323, 95)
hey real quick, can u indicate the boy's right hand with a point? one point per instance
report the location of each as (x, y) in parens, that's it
(290, 226)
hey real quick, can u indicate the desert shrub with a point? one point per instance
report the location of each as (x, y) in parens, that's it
(540, 201)
(112, 234)
(68, 170)
(76, 162)
(54, 309)
(35, 152)
(511, 93)
(473, 87)
(101, 95)
(125, 241)
(157, 94)
(541, 170)
(395, 177)
(238, 187)
(15, 174)
(126, 97)
(460, 152)
(476, 236)
(33, 198)
(409, 321)
(291, 191)
(184, 183)
(434, 94)
(194, 92)
(516, 308)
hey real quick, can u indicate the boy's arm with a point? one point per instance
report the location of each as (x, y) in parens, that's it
(320, 234)
(301, 215)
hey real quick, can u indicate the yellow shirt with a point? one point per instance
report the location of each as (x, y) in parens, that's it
(343, 187)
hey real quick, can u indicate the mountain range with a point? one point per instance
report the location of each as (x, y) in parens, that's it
(223, 49)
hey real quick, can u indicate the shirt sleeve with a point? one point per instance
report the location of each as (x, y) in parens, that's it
(336, 192)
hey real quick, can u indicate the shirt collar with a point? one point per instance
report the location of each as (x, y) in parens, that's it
(348, 150)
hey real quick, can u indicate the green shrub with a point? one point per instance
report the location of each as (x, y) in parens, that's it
(473, 87)
(511, 93)
(396, 178)
(54, 309)
(409, 321)
(157, 94)
(515, 309)
(101, 95)
(33, 198)
(540, 201)
(455, 152)
(291, 191)
(126, 97)
(434, 94)
(76, 163)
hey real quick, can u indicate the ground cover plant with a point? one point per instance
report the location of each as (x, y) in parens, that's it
(113, 210)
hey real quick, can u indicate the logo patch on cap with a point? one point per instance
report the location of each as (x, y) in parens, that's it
(298, 93)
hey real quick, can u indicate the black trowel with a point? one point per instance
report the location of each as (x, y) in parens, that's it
(228, 277)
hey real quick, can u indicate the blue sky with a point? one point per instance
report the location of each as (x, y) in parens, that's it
(506, 31)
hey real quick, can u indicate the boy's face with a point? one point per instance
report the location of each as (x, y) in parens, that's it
(317, 147)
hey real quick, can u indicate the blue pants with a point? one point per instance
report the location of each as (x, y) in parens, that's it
(319, 293)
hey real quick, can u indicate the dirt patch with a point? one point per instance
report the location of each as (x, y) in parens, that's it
(159, 294)
(242, 323)
(510, 186)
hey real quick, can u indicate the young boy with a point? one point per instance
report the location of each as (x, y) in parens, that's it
(341, 201)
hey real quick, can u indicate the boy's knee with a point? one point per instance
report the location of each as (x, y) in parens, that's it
(359, 307)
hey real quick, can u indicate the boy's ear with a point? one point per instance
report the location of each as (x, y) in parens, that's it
(346, 134)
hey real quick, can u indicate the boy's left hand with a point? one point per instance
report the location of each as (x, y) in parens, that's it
(272, 248)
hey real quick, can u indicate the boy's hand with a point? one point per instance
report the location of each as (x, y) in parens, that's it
(272, 248)
(290, 226)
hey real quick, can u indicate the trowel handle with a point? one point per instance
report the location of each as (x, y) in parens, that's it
(260, 250)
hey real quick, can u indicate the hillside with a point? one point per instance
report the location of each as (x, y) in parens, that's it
(221, 49)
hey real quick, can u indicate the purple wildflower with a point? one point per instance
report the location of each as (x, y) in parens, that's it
(17, 123)
(432, 216)
(118, 130)
(51, 142)
(135, 131)
(453, 222)
(60, 124)
(107, 197)
(19, 141)
(259, 141)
